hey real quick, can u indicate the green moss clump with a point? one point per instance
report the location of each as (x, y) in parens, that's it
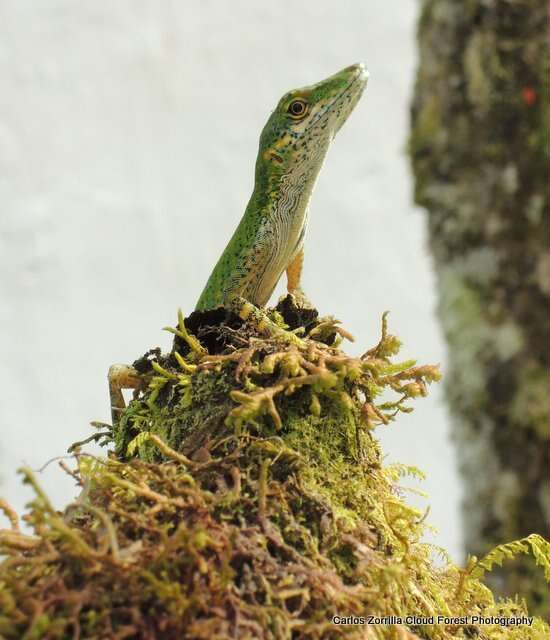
(245, 497)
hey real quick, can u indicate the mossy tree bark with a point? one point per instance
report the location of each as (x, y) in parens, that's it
(480, 149)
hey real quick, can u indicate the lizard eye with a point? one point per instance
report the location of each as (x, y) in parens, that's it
(297, 109)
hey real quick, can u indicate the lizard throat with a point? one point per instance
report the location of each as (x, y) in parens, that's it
(285, 222)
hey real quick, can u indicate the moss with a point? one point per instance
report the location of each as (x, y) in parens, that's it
(478, 82)
(542, 273)
(544, 498)
(246, 497)
(531, 404)
(426, 14)
(543, 134)
(427, 126)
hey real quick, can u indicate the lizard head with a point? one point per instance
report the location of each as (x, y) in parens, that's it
(300, 130)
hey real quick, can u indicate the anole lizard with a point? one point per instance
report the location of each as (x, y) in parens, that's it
(269, 239)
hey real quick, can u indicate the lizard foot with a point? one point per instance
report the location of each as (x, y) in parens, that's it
(121, 376)
(301, 300)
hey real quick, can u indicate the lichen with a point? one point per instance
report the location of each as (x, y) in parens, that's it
(461, 311)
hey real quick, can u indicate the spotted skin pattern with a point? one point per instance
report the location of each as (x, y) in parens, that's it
(269, 238)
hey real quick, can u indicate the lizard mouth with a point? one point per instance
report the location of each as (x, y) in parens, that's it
(354, 89)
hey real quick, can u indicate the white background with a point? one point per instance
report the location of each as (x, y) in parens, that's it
(128, 135)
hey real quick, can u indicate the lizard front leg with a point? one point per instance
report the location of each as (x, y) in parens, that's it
(257, 317)
(121, 376)
(293, 275)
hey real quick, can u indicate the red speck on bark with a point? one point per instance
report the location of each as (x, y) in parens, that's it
(529, 96)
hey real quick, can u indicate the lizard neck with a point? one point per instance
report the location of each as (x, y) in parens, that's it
(282, 193)
(277, 213)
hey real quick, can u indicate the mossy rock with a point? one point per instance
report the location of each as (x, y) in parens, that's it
(245, 497)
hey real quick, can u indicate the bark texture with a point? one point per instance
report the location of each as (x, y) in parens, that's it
(480, 149)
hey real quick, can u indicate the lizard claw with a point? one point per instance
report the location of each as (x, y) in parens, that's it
(301, 300)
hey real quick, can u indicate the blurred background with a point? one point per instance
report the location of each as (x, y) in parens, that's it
(128, 136)
(480, 152)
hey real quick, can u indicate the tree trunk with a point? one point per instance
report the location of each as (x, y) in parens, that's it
(480, 148)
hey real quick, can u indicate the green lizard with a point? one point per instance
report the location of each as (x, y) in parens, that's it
(269, 239)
